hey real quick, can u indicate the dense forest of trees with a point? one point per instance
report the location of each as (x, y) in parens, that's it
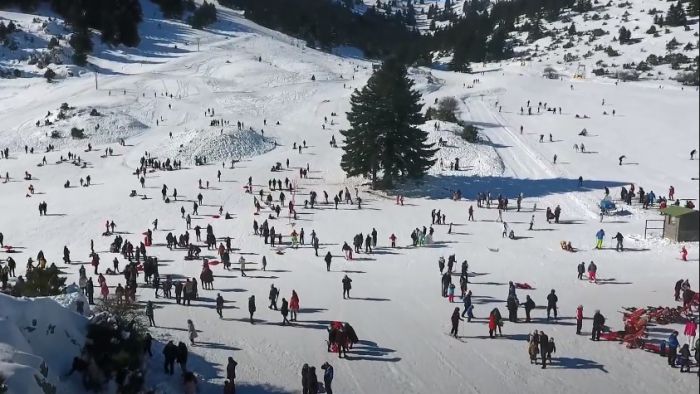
(384, 30)
(325, 24)
(117, 20)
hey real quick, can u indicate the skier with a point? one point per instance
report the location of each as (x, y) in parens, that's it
(599, 239)
(619, 247)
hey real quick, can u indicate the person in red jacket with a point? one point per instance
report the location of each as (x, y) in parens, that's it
(684, 254)
(294, 305)
(392, 238)
(579, 319)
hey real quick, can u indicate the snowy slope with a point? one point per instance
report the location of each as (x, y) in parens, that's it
(250, 74)
(40, 333)
(607, 19)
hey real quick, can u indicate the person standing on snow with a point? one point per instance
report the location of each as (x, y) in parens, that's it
(346, 286)
(294, 305)
(579, 319)
(327, 377)
(191, 330)
(220, 305)
(672, 349)
(581, 269)
(552, 300)
(455, 322)
(592, 270)
(328, 259)
(599, 239)
(251, 308)
(544, 344)
(529, 305)
(598, 324)
(619, 247)
(149, 313)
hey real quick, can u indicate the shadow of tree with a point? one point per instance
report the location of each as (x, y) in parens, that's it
(440, 186)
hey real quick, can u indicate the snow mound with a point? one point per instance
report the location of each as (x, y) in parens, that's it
(103, 127)
(217, 146)
(40, 338)
(478, 159)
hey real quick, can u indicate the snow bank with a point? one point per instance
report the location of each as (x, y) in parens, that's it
(218, 146)
(40, 338)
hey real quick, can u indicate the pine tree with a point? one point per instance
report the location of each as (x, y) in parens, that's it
(676, 15)
(383, 135)
(82, 45)
(572, 29)
(694, 8)
(360, 157)
(43, 282)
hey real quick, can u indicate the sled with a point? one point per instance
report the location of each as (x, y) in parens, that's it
(9, 249)
(215, 216)
(523, 286)
(607, 206)
(213, 262)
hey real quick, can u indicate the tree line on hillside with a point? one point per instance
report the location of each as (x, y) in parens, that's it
(325, 24)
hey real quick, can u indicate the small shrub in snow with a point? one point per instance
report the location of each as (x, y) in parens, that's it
(469, 133)
(55, 134)
(77, 133)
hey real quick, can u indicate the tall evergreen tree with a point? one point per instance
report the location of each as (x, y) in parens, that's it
(383, 135)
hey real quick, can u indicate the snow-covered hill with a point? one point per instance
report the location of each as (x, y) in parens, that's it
(594, 42)
(159, 96)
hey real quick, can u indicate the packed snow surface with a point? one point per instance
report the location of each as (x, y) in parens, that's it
(259, 77)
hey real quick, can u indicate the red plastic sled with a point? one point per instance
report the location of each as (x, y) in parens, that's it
(523, 286)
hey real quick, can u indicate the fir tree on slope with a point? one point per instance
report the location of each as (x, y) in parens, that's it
(383, 135)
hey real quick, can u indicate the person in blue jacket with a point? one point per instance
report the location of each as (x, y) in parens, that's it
(599, 239)
(672, 349)
(327, 377)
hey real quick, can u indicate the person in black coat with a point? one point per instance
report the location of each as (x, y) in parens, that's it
(285, 311)
(328, 261)
(182, 356)
(170, 354)
(544, 347)
(581, 270)
(90, 290)
(346, 286)
(251, 307)
(552, 304)
(455, 322)
(313, 381)
(529, 305)
(598, 323)
(305, 379)
(512, 305)
(148, 339)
